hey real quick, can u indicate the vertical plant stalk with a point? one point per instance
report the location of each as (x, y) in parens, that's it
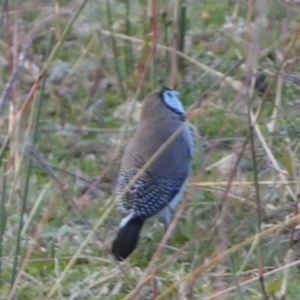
(36, 112)
(290, 164)
(3, 215)
(174, 71)
(57, 20)
(115, 51)
(154, 31)
(129, 60)
(258, 208)
(221, 218)
(13, 61)
(3, 10)
(165, 25)
(45, 217)
(12, 38)
(181, 33)
(12, 126)
(234, 273)
(253, 47)
(148, 51)
(14, 75)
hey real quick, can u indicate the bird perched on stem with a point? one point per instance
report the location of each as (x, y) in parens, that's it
(160, 152)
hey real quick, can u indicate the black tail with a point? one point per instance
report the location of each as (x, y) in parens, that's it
(127, 239)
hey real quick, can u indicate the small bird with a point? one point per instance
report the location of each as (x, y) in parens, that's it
(158, 190)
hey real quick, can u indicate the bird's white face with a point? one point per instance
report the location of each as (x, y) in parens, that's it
(171, 100)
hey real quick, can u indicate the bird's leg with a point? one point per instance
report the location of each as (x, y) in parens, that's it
(165, 219)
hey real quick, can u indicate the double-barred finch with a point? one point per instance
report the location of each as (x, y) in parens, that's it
(159, 188)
